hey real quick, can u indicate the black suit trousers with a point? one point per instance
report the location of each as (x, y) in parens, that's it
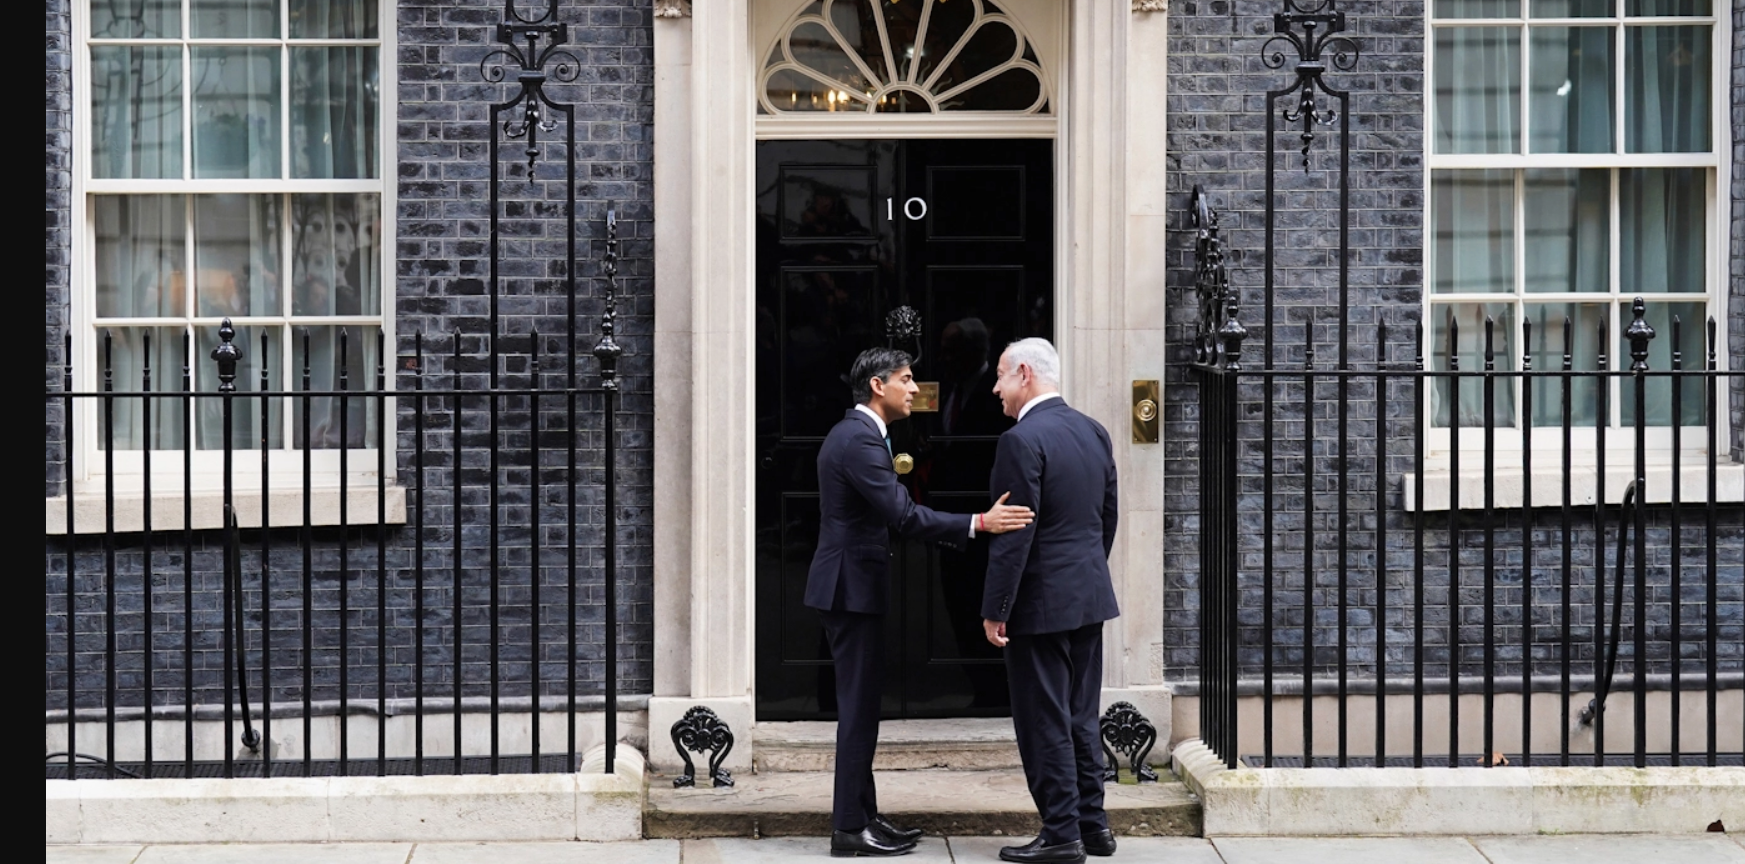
(855, 646)
(1056, 679)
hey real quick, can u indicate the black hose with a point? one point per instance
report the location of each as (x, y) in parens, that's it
(1598, 703)
(233, 583)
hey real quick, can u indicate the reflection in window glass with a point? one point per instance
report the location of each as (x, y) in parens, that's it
(234, 19)
(141, 359)
(336, 358)
(136, 19)
(1567, 225)
(1458, 339)
(1570, 100)
(140, 255)
(236, 255)
(236, 112)
(333, 19)
(336, 254)
(1559, 328)
(1478, 85)
(246, 422)
(334, 112)
(1659, 392)
(1666, 89)
(136, 112)
(1662, 245)
(1473, 216)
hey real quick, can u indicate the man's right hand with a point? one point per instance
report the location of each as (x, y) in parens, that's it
(1003, 517)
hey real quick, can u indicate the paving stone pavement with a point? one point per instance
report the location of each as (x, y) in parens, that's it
(1561, 849)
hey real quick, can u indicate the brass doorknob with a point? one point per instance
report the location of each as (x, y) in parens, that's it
(1145, 410)
(903, 462)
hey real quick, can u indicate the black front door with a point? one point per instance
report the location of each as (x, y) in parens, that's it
(848, 231)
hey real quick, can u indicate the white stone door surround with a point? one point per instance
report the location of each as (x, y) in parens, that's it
(1107, 76)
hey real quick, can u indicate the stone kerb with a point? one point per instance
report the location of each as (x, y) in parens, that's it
(588, 805)
(1458, 801)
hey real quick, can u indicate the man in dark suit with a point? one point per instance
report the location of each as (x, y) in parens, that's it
(1047, 596)
(860, 502)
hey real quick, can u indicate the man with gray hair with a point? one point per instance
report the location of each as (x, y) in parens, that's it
(859, 504)
(1047, 595)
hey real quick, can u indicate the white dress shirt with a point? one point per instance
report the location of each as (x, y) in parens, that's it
(1034, 402)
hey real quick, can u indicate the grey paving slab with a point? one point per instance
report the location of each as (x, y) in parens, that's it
(278, 853)
(1174, 850)
(1589, 848)
(793, 850)
(630, 852)
(92, 854)
(1347, 850)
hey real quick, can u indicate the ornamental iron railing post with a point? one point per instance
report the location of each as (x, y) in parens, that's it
(607, 351)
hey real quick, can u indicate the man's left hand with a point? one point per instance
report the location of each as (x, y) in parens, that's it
(996, 631)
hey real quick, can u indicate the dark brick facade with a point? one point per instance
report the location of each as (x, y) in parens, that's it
(57, 215)
(1217, 113)
(440, 286)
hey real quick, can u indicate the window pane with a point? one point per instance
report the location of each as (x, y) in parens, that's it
(236, 255)
(1659, 390)
(1568, 237)
(136, 112)
(1553, 324)
(229, 19)
(236, 112)
(1668, 7)
(332, 421)
(814, 48)
(334, 112)
(1473, 222)
(336, 255)
(245, 413)
(333, 19)
(1477, 8)
(1457, 332)
(1478, 84)
(1666, 101)
(136, 19)
(1570, 103)
(141, 255)
(1663, 230)
(132, 353)
(1572, 8)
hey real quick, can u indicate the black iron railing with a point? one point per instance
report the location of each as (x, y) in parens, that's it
(302, 633)
(1375, 585)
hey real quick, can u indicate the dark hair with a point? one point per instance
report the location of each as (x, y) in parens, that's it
(880, 363)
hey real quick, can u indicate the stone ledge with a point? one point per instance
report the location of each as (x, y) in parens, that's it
(1455, 801)
(588, 805)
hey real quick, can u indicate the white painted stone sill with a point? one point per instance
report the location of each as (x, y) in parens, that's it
(284, 509)
(1547, 487)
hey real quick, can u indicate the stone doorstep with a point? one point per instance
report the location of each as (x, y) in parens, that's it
(940, 802)
(904, 745)
(1458, 801)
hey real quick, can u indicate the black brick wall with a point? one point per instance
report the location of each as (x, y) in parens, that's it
(1217, 115)
(59, 241)
(440, 269)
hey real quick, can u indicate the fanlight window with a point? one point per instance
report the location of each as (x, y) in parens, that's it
(907, 56)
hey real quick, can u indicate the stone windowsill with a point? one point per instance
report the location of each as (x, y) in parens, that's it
(284, 509)
(1510, 486)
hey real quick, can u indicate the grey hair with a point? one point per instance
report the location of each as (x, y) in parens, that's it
(880, 363)
(1039, 355)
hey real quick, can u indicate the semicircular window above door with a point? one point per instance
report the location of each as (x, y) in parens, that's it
(906, 56)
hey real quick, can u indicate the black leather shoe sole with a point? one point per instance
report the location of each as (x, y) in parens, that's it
(856, 853)
(1065, 854)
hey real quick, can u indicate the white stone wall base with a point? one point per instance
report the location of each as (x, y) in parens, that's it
(664, 711)
(589, 805)
(1458, 801)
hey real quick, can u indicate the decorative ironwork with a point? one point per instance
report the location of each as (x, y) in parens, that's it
(701, 731)
(1318, 41)
(1640, 333)
(607, 350)
(904, 323)
(1125, 730)
(228, 354)
(544, 36)
(1219, 341)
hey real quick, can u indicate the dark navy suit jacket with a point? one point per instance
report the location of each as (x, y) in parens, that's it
(1054, 575)
(859, 502)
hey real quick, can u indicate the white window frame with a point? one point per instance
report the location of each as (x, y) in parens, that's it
(90, 484)
(1547, 441)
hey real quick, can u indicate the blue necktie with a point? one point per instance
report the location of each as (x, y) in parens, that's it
(888, 449)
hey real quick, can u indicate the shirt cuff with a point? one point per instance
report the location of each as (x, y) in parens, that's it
(972, 526)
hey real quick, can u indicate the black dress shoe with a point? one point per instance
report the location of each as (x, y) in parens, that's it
(1036, 853)
(866, 842)
(1099, 843)
(892, 833)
